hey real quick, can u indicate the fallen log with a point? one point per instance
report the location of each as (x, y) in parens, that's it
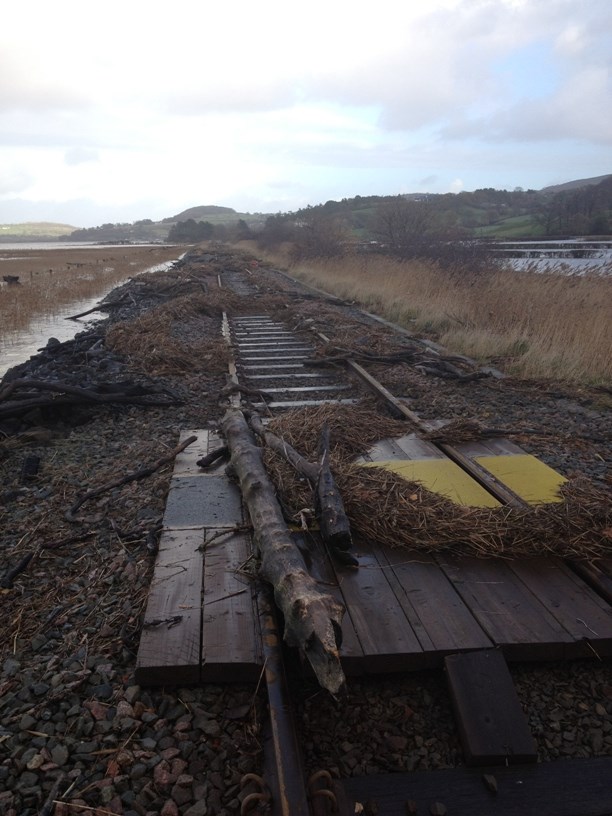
(14, 403)
(312, 618)
(333, 521)
(335, 527)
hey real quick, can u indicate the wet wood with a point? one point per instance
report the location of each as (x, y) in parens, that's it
(313, 618)
(491, 722)
(169, 651)
(23, 395)
(231, 641)
(578, 787)
(334, 524)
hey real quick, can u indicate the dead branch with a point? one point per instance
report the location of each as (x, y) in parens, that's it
(335, 528)
(130, 477)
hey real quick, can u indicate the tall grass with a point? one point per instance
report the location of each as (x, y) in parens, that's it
(531, 324)
(51, 280)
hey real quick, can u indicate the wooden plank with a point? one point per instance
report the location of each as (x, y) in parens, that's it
(385, 634)
(569, 787)
(580, 611)
(439, 616)
(204, 500)
(507, 610)
(493, 446)
(169, 650)
(185, 462)
(231, 642)
(597, 575)
(492, 725)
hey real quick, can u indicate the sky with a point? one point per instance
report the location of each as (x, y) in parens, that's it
(119, 111)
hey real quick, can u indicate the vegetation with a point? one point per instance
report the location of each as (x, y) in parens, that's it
(532, 325)
(55, 279)
(397, 221)
(33, 231)
(576, 208)
(190, 232)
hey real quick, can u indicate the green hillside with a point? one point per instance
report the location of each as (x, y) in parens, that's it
(34, 231)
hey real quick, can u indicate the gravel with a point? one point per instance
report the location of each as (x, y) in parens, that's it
(75, 726)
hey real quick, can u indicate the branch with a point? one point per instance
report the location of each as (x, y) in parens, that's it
(130, 477)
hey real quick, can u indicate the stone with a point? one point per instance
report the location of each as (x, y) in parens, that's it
(60, 755)
(198, 809)
(169, 808)
(103, 692)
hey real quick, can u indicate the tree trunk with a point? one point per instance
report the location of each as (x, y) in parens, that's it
(335, 528)
(312, 617)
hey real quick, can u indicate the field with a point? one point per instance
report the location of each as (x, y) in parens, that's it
(540, 326)
(54, 278)
(33, 231)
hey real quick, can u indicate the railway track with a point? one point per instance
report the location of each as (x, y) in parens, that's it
(452, 624)
(278, 361)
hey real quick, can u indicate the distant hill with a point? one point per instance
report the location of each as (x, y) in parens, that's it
(198, 213)
(574, 185)
(34, 231)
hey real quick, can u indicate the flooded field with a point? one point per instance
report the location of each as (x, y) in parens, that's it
(53, 284)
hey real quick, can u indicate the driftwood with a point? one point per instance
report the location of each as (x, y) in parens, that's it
(312, 617)
(423, 360)
(6, 582)
(130, 477)
(101, 307)
(26, 396)
(335, 527)
(214, 456)
(334, 524)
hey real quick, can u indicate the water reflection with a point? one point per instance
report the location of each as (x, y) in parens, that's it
(17, 347)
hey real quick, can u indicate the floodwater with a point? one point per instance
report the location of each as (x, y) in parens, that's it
(562, 266)
(19, 346)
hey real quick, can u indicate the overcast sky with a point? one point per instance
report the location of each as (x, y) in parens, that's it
(117, 111)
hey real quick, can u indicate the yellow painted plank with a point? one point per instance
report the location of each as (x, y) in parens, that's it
(526, 476)
(441, 476)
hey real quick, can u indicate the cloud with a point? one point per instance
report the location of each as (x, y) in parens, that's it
(80, 155)
(275, 103)
(14, 180)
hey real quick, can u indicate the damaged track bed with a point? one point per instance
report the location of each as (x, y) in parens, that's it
(406, 610)
(430, 641)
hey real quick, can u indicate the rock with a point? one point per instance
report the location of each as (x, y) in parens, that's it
(27, 723)
(131, 694)
(60, 754)
(198, 809)
(103, 692)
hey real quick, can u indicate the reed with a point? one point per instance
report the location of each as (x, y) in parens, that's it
(533, 325)
(52, 280)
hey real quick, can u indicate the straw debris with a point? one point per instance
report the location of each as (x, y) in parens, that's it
(383, 507)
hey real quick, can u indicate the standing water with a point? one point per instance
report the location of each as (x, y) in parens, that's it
(17, 347)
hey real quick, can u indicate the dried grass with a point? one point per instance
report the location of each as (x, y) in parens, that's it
(151, 345)
(386, 509)
(537, 325)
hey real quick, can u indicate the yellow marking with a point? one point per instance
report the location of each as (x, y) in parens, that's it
(441, 476)
(526, 476)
